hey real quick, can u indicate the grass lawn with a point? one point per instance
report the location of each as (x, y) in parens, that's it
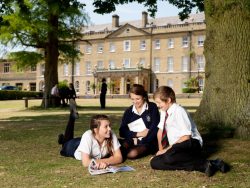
(29, 152)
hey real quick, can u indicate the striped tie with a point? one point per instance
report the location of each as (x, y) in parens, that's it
(164, 139)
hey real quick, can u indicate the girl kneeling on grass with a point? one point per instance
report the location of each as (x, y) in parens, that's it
(179, 141)
(98, 143)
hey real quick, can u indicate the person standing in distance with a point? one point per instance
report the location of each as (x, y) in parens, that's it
(103, 93)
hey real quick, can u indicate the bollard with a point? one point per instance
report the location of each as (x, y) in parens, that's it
(26, 104)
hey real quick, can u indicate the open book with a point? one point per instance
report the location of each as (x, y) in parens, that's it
(137, 126)
(110, 169)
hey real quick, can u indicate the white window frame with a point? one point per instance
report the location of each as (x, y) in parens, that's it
(142, 62)
(127, 45)
(100, 48)
(111, 64)
(170, 83)
(100, 64)
(200, 62)
(88, 89)
(77, 69)
(170, 64)
(126, 62)
(65, 69)
(184, 63)
(185, 41)
(88, 67)
(157, 44)
(143, 45)
(111, 47)
(170, 43)
(42, 69)
(157, 64)
(77, 86)
(200, 40)
(88, 49)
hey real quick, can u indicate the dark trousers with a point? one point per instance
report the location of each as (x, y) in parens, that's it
(70, 143)
(103, 100)
(182, 156)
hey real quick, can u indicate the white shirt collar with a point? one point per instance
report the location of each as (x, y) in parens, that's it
(172, 108)
(144, 107)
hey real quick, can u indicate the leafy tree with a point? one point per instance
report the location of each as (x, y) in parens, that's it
(49, 26)
(226, 98)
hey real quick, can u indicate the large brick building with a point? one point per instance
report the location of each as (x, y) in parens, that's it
(152, 52)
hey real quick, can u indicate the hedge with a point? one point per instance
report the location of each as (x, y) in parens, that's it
(189, 90)
(11, 95)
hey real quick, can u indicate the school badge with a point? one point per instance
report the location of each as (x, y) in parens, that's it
(148, 118)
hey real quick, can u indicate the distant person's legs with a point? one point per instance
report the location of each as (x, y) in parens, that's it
(69, 143)
(102, 100)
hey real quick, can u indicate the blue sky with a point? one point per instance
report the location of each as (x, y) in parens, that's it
(127, 12)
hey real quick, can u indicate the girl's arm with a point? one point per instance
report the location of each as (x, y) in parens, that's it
(159, 138)
(85, 159)
(116, 158)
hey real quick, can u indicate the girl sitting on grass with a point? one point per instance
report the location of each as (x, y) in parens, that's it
(98, 143)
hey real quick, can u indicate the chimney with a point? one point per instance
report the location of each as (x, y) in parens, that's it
(115, 20)
(144, 19)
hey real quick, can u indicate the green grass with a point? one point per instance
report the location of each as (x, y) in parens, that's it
(29, 152)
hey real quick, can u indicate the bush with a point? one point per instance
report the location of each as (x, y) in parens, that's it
(189, 90)
(11, 95)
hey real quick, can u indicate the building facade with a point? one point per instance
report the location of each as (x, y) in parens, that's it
(151, 52)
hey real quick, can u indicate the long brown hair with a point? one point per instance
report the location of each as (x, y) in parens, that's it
(95, 122)
(138, 89)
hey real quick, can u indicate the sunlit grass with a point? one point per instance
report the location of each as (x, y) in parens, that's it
(29, 152)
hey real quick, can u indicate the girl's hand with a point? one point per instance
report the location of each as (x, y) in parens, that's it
(101, 165)
(143, 133)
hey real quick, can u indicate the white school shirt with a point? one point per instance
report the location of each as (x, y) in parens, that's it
(90, 146)
(178, 124)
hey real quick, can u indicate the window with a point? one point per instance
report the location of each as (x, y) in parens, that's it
(170, 83)
(200, 63)
(200, 40)
(184, 63)
(126, 63)
(77, 86)
(32, 86)
(42, 69)
(19, 68)
(142, 62)
(77, 69)
(111, 64)
(156, 83)
(100, 65)
(170, 64)
(157, 44)
(142, 45)
(88, 87)
(127, 45)
(201, 84)
(100, 48)
(112, 47)
(65, 69)
(170, 43)
(6, 67)
(156, 64)
(185, 41)
(33, 68)
(88, 67)
(77, 47)
(88, 49)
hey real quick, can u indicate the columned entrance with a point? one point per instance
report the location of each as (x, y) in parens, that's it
(120, 81)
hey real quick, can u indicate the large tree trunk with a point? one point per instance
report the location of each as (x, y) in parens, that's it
(51, 54)
(226, 98)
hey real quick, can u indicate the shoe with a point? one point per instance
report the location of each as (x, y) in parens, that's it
(210, 169)
(60, 139)
(220, 165)
(72, 107)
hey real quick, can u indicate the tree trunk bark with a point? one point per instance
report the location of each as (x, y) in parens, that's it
(226, 98)
(51, 55)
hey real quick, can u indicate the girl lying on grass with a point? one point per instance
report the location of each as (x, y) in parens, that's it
(98, 143)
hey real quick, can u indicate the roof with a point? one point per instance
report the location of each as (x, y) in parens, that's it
(163, 21)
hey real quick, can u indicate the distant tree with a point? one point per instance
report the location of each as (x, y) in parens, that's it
(226, 98)
(50, 26)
